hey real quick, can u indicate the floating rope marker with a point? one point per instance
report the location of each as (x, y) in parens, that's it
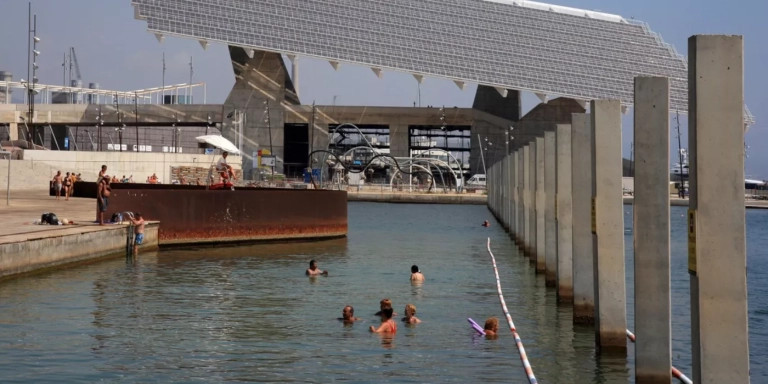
(518, 341)
(675, 372)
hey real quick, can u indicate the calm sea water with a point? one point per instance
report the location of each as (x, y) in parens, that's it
(249, 314)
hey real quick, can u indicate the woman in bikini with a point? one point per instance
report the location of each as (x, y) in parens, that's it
(67, 186)
(387, 324)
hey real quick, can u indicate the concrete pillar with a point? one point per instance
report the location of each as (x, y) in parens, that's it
(527, 199)
(550, 218)
(491, 189)
(541, 245)
(653, 349)
(583, 254)
(515, 196)
(507, 192)
(399, 144)
(583, 270)
(610, 287)
(716, 244)
(521, 207)
(564, 216)
(13, 131)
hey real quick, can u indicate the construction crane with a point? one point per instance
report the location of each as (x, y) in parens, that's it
(73, 62)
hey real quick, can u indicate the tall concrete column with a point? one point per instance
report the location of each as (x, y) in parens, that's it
(610, 287)
(399, 145)
(716, 244)
(653, 349)
(507, 191)
(541, 244)
(550, 218)
(527, 200)
(492, 190)
(564, 213)
(13, 131)
(583, 263)
(512, 181)
(520, 174)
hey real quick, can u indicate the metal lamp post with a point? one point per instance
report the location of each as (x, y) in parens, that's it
(32, 53)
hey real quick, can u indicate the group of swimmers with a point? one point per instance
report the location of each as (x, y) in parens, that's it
(386, 313)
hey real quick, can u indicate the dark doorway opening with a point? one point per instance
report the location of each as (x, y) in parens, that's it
(296, 139)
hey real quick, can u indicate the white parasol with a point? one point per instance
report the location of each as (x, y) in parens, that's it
(219, 142)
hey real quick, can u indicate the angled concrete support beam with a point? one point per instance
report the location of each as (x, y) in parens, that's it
(203, 43)
(502, 91)
(160, 37)
(377, 72)
(419, 78)
(459, 84)
(334, 64)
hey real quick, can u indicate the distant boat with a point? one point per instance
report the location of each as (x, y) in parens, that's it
(676, 169)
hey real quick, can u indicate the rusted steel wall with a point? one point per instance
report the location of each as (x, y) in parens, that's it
(192, 215)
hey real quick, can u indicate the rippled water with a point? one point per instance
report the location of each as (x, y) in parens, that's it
(249, 314)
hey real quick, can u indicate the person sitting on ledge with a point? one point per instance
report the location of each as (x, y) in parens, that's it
(224, 169)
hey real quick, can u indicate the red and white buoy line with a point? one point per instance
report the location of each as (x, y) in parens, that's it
(518, 341)
(675, 372)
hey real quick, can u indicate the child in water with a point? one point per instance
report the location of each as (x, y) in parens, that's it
(491, 327)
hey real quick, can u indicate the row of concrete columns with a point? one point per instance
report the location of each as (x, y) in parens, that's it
(560, 195)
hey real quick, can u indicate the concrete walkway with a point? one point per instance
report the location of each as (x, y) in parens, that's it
(27, 247)
(27, 206)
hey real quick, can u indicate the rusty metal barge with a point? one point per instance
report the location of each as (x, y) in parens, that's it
(192, 215)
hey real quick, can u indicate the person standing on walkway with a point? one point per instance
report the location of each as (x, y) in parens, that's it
(102, 198)
(72, 179)
(67, 185)
(138, 221)
(57, 184)
(102, 173)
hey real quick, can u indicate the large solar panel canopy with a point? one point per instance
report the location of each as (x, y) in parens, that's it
(506, 44)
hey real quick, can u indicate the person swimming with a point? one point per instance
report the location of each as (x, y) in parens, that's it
(387, 324)
(486, 223)
(348, 315)
(416, 275)
(491, 327)
(384, 304)
(314, 271)
(410, 315)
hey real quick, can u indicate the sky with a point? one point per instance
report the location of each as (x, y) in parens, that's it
(116, 51)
